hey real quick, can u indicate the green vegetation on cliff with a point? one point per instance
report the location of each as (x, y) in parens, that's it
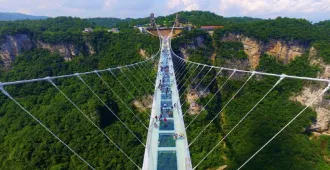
(24, 144)
(197, 18)
(294, 148)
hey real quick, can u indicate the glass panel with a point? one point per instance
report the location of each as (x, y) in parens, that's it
(168, 125)
(166, 140)
(168, 113)
(168, 96)
(167, 160)
(166, 104)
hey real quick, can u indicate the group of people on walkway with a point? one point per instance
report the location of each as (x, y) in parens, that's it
(178, 136)
(160, 118)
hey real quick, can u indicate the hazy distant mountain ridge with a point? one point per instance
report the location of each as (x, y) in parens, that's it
(8, 16)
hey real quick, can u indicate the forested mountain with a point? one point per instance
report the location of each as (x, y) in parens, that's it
(304, 144)
(52, 29)
(196, 18)
(24, 144)
(282, 45)
(8, 16)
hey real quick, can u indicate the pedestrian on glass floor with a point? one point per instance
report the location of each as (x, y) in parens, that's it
(156, 117)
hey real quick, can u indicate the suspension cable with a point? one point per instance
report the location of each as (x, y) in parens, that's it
(207, 86)
(192, 81)
(185, 74)
(129, 80)
(211, 99)
(145, 69)
(188, 77)
(68, 75)
(309, 104)
(184, 68)
(142, 77)
(177, 64)
(83, 81)
(124, 85)
(222, 108)
(146, 91)
(50, 81)
(44, 126)
(263, 73)
(281, 78)
(106, 84)
(199, 83)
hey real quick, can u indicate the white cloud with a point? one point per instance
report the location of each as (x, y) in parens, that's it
(265, 7)
(186, 5)
(191, 7)
(311, 9)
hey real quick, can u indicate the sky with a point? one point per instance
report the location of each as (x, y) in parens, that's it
(312, 10)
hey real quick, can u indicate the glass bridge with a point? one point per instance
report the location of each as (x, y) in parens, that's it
(167, 146)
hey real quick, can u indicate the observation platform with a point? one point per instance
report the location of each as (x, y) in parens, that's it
(167, 146)
(165, 32)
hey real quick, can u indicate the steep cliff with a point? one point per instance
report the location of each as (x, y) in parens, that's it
(282, 50)
(195, 43)
(196, 47)
(310, 91)
(14, 45)
(286, 52)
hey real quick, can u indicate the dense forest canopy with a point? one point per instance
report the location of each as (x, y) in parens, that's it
(197, 18)
(50, 30)
(294, 148)
(26, 145)
(287, 30)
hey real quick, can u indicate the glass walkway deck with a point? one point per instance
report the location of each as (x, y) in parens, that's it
(167, 146)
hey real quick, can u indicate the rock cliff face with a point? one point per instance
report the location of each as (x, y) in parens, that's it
(283, 51)
(195, 43)
(144, 53)
(322, 105)
(286, 52)
(14, 45)
(194, 94)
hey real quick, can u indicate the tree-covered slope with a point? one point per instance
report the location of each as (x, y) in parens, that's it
(24, 144)
(296, 147)
(196, 18)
